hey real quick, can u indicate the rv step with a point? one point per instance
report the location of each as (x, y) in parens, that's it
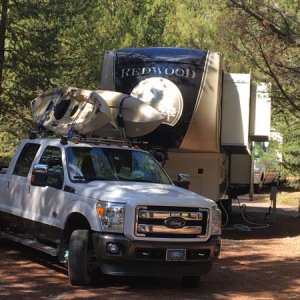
(29, 242)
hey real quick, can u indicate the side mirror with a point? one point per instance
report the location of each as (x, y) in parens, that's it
(183, 177)
(43, 175)
(183, 181)
(39, 176)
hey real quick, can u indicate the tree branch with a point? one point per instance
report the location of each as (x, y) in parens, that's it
(267, 23)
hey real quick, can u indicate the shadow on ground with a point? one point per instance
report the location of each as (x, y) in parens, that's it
(262, 222)
(247, 268)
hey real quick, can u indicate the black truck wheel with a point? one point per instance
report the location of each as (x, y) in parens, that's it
(78, 258)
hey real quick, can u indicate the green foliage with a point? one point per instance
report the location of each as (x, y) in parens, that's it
(48, 44)
(51, 43)
(267, 35)
(289, 127)
(270, 156)
(192, 24)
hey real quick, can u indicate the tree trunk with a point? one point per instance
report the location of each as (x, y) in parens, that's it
(3, 23)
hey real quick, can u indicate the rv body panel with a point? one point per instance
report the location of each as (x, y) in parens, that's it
(240, 169)
(204, 129)
(183, 84)
(207, 112)
(260, 114)
(208, 171)
(235, 112)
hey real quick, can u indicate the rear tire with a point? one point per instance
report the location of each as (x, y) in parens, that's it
(78, 258)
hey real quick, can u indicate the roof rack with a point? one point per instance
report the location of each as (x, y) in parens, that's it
(96, 140)
(81, 139)
(34, 134)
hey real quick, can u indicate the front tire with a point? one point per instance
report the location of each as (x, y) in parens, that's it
(78, 258)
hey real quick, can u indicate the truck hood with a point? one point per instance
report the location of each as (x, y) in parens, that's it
(141, 193)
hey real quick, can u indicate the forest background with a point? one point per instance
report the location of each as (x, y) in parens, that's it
(50, 43)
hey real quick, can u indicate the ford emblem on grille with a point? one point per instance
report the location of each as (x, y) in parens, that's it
(174, 222)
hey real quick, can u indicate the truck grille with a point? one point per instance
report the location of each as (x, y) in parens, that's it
(171, 222)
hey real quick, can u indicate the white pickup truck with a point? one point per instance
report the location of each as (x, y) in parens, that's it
(101, 204)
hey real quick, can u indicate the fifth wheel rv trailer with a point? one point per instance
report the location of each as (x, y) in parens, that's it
(211, 117)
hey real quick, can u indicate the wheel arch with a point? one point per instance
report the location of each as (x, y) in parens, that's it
(81, 209)
(75, 221)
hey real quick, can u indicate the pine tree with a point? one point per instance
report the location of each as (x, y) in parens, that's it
(48, 43)
(3, 25)
(267, 34)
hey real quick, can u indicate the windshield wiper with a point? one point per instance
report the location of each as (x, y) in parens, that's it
(93, 178)
(136, 179)
(125, 178)
(144, 180)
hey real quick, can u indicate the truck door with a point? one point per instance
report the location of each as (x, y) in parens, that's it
(47, 201)
(18, 184)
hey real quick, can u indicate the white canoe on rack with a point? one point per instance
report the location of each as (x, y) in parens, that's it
(62, 109)
(139, 117)
(93, 113)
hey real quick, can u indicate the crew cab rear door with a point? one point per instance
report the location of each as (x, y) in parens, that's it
(18, 182)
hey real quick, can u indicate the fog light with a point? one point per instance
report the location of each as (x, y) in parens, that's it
(112, 248)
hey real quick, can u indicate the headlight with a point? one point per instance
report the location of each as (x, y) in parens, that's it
(216, 221)
(112, 216)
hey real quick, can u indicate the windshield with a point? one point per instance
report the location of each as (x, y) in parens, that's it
(93, 163)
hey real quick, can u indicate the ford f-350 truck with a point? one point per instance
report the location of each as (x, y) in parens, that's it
(103, 204)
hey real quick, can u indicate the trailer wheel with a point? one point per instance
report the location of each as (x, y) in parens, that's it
(78, 258)
(257, 188)
(191, 281)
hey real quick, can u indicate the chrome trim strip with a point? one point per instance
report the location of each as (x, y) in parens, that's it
(144, 228)
(162, 215)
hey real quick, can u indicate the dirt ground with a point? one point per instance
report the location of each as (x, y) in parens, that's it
(263, 263)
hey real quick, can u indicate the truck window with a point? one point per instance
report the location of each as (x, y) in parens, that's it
(94, 163)
(25, 159)
(86, 164)
(52, 157)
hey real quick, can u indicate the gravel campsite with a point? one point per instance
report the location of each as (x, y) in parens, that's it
(263, 263)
